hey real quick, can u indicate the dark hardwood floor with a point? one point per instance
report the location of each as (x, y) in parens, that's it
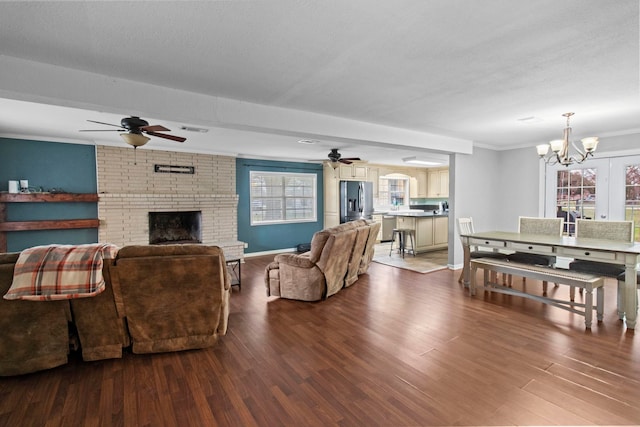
(396, 348)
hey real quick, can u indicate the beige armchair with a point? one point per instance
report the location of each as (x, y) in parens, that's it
(316, 274)
(337, 257)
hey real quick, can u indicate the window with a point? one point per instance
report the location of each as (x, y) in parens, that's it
(278, 197)
(632, 197)
(575, 196)
(393, 191)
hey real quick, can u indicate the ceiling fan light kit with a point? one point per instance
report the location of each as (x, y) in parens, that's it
(134, 139)
(134, 130)
(557, 151)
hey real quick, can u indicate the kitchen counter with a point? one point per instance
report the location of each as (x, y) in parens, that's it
(415, 213)
(431, 230)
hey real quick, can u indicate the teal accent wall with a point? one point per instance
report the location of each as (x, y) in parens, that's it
(263, 238)
(49, 165)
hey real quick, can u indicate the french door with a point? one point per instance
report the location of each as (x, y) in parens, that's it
(577, 191)
(601, 188)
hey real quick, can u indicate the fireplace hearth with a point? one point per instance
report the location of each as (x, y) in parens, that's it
(175, 227)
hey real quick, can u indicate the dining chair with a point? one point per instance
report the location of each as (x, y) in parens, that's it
(539, 226)
(619, 231)
(465, 226)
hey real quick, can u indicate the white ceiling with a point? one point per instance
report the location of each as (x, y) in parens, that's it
(379, 80)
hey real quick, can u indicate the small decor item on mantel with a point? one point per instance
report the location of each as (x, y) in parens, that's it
(13, 187)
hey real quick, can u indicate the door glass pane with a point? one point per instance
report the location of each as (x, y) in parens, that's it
(575, 196)
(632, 198)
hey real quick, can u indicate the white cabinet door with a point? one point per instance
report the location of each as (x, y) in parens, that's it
(424, 233)
(331, 198)
(413, 187)
(444, 183)
(433, 183)
(359, 172)
(353, 171)
(440, 230)
(373, 178)
(406, 222)
(421, 183)
(438, 183)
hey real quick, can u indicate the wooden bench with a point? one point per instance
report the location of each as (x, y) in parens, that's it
(588, 282)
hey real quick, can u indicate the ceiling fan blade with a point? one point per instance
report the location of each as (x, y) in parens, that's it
(350, 158)
(345, 161)
(154, 128)
(165, 136)
(103, 123)
(102, 130)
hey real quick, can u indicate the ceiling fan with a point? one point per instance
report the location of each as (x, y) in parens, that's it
(336, 157)
(132, 130)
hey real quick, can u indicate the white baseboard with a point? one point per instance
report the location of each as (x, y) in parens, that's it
(277, 251)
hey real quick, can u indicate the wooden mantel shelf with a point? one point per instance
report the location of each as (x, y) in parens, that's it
(56, 224)
(47, 197)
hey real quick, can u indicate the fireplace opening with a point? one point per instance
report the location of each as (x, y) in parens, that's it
(175, 227)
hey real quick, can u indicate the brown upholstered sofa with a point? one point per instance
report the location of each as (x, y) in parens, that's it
(337, 257)
(157, 299)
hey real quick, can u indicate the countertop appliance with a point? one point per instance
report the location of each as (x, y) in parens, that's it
(356, 200)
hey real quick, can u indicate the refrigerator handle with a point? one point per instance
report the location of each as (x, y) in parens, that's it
(360, 197)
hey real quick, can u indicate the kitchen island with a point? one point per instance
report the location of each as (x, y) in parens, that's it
(431, 228)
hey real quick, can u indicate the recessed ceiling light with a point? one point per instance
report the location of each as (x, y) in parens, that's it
(194, 129)
(308, 141)
(530, 119)
(418, 161)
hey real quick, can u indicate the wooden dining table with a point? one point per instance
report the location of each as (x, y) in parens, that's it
(613, 252)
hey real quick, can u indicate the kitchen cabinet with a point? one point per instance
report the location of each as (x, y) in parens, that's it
(373, 178)
(438, 183)
(418, 187)
(331, 197)
(440, 230)
(353, 171)
(431, 232)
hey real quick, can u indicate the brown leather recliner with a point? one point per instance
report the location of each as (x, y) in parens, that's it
(337, 255)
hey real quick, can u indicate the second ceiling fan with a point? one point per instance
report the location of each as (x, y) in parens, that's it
(336, 158)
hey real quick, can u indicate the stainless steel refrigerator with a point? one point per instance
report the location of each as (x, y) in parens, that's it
(356, 200)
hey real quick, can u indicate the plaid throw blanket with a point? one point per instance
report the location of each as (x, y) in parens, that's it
(56, 272)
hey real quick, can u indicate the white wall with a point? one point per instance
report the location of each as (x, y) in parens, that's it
(619, 143)
(518, 186)
(474, 191)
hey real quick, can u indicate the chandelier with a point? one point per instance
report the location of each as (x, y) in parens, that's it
(557, 151)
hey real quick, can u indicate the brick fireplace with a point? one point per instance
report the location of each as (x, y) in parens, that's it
(130, 190)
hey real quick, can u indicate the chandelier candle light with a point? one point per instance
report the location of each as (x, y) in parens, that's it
(560, 148)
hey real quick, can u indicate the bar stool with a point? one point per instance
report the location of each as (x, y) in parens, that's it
(402, 234)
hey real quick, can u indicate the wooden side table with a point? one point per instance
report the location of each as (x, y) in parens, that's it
(234, 268)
